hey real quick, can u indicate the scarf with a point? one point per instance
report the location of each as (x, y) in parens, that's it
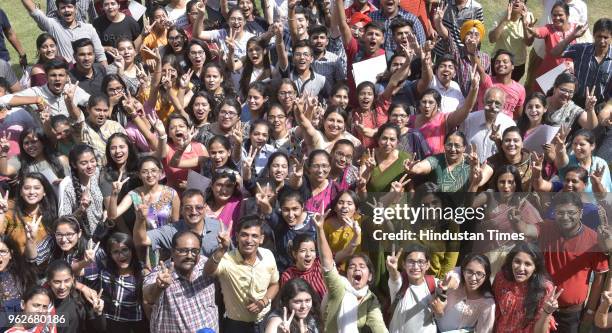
(347, 317)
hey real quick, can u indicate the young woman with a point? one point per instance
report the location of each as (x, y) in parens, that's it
(115, 89)
(433, 123)
(198, 54)
(223, 198)
(81, 193)
(562, 111)
(255, 102)
(36, 199)
(297, 308)
(292, 221)
(286, 94)
(200, 114)
(276, 169)
(35, 301)
(81, 315)
(315, 184)
(534, 110)
(282, 138)
(177, 46)
(340, 96)
(114, 25)
(583, 147)
(121, 284)
(228, 122)
(46, 47)
(168, 89)
(163, 201)
(16, 275)
(235, 32)
(334, 127)
(343, 171)
(385, 165)
(130, 71)
(520, 289)
(256, 150)
(411, 140)
(220, 151)
(471, 306)
(343, 227)
(256, 65)
(306, 264)
(36, 155)
(217, 85)
(255, 24)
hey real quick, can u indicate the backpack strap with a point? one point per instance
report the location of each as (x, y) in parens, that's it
(431, 284)
(400, 294)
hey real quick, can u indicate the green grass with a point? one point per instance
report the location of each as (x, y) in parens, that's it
(27, 31)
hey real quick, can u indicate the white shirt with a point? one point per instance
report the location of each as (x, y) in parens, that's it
(412, 313)
(452, 98)
(56, 103)
(476, 132)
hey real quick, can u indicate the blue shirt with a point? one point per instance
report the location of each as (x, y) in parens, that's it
(5, 25)
(588, 71)
(162, 237)
(284, 235)
(595, 163)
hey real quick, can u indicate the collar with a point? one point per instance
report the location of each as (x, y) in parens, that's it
(48, 91)
(241, 260)
(298, 76)
(64, 24)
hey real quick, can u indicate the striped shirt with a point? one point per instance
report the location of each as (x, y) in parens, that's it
(464, 69)
(331, 66)
(84, 9)
(588, 71)
(417, 27)
(454, 19)
(187, 305)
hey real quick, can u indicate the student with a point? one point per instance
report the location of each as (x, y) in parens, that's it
(300, 306)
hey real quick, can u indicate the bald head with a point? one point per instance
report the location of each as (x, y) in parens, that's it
(494, 100)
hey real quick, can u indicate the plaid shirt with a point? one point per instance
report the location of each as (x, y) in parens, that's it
(454, 19)
(588, 71)
(465, 66)
(185, 306)
(417, 27)
(120, 298)
(331, 66)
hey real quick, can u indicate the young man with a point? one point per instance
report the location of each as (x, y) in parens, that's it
(326, 63)
(571, 254)
(53, 92)
(452, 97)
(301, 72)
(592, 61)
(65, 29)
(503, 63)
(193, 208)
(248, 277)
(479, 125)
(85, 10)
(414, 295)
(86, 71)
(457, 12)
(389, 11)
(182, 294)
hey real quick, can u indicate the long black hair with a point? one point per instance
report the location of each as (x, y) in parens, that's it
(73, 157)
(18, 267)
(131, 164)
(288, 291)
(79, 249)
(47, 206)
(245, 78)
(47, 150)
(485, 288)
(536, 288)
(125, 239)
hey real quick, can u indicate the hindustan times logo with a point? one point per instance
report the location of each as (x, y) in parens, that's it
(414, 214)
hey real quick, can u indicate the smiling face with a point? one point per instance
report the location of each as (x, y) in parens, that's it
(279, 169)
(446, 72)
(301, 304)
(32, 191)
(292, 212)
(5, 256)
(121, 255)
(305, 256)
(66, 237)
(333, 125)
(472, 39)
(61, 283)
(175, 40)
(503, 65)
(583, 149)
(223, 189)
(387, 141)
(559, 17)
(340, 99)
(416, 265)
(319, 42)
(535, 110)
(493, 104)
(398, 116)
(277, 118)
(111, 8)
(523, 267)
(37, 304)
(149, 173)
(345, 207)
(302, 58)
(213, 79)
(512, 143)
(454, 147)
(358, 273)
(255, 52)
(48, 50)
(127, 51)
(474, 275)
(197, 56)
(259, 135)
(564, 92)
(342, 156)
(318, 169)
(119, 150)
(249, 240)
(286, 95)
(32, 145)
(236, 21)
(246, 6)
(568, 217)
(301, 23)
(186, 254)
(98, 114)
(178, 130)
(228, 117)
(56, 80)
(366, 98)
(573, 183)
(114, 88)
(218, 154)
(87, 164)
(255, 100)
(192, 209)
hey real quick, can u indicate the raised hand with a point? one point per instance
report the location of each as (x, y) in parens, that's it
(399, 186)
(439, 12)
(142, 76)
(185, 79)
(148, 28)
(164, 276)
(70, 91)
(98, 305)
(263, 198)
(606, 298)
(537, 161)
(285, 325)
(119, 184)
(5, 146)
(230, 41)
(495, 135)
(597, 175)
(4, 207)
(153, 53)
(85, 199)
(369, 159)
(157, 125)
(580, 30)
(319, 218)
(551, 305)
(591, 99)
(604, 236)
(298, 166)
(90, 252)
(32, 227)
(237, 135)
(509, 12)
(409, 163)
(474, 78)
(392, 261)
(247, 163)
(561, 136)
(143, 208)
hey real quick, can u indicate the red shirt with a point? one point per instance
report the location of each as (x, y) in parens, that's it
(314, 277)
(372, 119)
(570, 261)
(352, 50)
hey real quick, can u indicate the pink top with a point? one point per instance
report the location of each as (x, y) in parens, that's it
(552, 37)
(434, 131)
(371, 119)
(515, 95)
(230, 212)
(176, 175)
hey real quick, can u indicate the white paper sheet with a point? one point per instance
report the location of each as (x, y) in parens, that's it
(137, 10)
(197, 181)
(540, 135)
(547, 80)
(368, 70)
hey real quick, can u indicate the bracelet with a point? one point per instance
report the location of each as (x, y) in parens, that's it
(165, 137)
(548, 312)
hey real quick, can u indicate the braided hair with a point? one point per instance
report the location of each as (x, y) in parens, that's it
(76, 152)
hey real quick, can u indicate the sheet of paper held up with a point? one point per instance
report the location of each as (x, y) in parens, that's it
(540, 135)
(197, 181)
(137, 10)
(547, 80)
(368, 70)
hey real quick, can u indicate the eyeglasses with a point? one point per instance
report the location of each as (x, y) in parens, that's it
(185, 251)
(196, 53)
(301, 54)
(342, 155)
(286, 93)
(115, 90)
(229, 114)
(172, 38)
(566, 91)
(413, 263)
(198, 208)
(149, 172)
(470, 273)
(452, 145)
(4, 253)
(398, 115)
(124, 252)
(569, 213)
(69, 235)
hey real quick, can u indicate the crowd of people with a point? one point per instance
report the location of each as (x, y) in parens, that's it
(220, 166)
